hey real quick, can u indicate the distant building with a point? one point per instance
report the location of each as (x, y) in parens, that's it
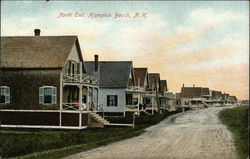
(194, 97)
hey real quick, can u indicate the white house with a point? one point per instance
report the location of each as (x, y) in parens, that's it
(115, 78)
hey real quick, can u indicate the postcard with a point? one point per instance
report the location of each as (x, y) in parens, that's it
(124, 79)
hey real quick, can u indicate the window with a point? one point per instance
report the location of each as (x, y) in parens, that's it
(4, 94)
(72, 68)
(112, 100)
(135, 101)
(47, 95)
(129, 99)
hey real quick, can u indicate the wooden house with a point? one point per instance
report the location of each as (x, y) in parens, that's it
(115, 79)
(44, 83)
(171, 101)
(163, 95)
(136, 94)
(152, 94)
(194, 97)
(216, 98)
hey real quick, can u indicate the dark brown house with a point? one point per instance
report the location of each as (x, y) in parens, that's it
(44, 84)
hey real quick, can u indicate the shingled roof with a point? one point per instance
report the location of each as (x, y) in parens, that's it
(191, 92)
(112, 74)
(194, 92)
(152, 77)
(36, 51)
(163, 85)
(140, 73)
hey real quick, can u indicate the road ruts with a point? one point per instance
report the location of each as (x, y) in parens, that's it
(196, 134)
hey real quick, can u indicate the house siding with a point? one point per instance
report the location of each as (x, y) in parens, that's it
(74, 54)
(29, 118)
(24, 88)
(102, 99)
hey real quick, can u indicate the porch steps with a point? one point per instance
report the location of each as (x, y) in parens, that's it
(103, 122)
(99, 119)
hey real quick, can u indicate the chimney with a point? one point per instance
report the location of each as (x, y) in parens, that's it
(37, 32)
(96, 63)
(193, 85)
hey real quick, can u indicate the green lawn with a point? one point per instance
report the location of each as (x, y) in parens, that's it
(44, 143)
(236, 119)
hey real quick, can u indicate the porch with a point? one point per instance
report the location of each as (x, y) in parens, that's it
(80, 98)
(134, 100)
(196, 103)
(150, 100)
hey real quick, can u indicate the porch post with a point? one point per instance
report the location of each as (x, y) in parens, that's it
(153, 102)
(87, 104)
(61, 99)
(80, 72)
(80, 106)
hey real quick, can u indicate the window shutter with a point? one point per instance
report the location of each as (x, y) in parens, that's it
(70, 68)
(116, 100)
(107, 100)
(7, 95)
(54, 95)
(78, 68)
(41, 95)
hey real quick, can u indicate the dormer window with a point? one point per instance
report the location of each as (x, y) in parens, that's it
(4, 94)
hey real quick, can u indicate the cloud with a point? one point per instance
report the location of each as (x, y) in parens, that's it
(210, 16)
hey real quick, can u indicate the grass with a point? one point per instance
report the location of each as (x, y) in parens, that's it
(236, 119)
(44, 143)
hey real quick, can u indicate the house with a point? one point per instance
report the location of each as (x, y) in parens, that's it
(44, 83)
(136, 94)
(115, 78)
(225, 98)
(163, 101)
(232, 99)
(178, 99)
(216, 98)
(171, 101)
(152, 94)
(194, 97)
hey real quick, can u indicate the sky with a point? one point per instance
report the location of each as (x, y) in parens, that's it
(205, 43)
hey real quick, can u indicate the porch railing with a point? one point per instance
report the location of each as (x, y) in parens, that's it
(132, 106)
(80, 78)
(70, 106)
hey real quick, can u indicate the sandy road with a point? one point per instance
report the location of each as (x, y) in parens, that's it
(196, 134)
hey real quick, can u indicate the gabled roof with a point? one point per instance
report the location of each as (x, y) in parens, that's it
(112, 74)
(163, 85)
(152, 77)
(37, 51)
(140, 75)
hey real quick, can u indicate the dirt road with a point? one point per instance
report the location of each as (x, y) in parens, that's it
(196, 134)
